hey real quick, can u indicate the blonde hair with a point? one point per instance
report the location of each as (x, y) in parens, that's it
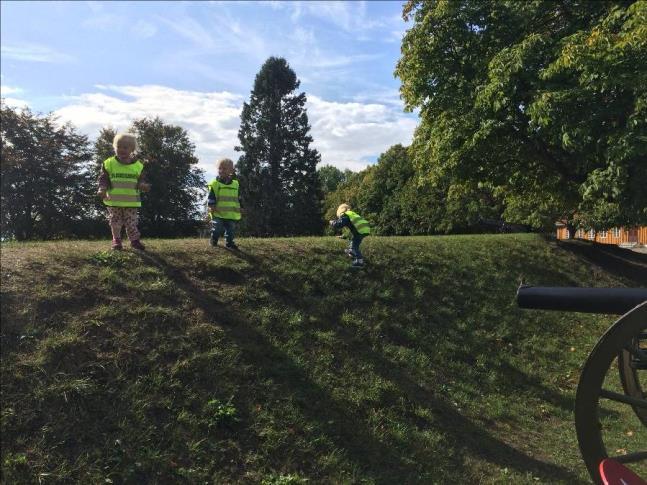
(127, 137)
(341, 209)
(225, 161)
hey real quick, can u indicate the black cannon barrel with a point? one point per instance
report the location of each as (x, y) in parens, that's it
(589, 300)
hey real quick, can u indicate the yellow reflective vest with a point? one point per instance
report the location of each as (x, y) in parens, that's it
(227, 202)
(359, 223)
(123, 190)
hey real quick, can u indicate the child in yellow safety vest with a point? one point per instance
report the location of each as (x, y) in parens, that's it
(359, 229)
(120, 183)
(224, 204)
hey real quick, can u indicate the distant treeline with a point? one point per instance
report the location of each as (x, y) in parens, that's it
(530, 113)
(49, 183)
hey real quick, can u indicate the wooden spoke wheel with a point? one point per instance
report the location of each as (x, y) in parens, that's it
(632, 363)
(624, 341)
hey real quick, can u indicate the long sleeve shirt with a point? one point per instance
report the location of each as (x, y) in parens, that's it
(344, 221)
(212, 199)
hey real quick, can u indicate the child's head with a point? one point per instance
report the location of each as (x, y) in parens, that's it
(225, 168)
(125, 145)
(342, 209)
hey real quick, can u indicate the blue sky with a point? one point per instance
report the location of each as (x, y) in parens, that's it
(193, 64)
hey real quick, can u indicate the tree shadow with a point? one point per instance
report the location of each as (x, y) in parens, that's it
(624, 263)
(460, 431)
(330, 415)
(462, 434)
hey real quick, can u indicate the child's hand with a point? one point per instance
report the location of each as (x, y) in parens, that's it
(144, 187)
(331, 222)
(102, 193)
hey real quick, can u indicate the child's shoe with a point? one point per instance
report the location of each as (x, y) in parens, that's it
(116, 245)
(349, 252)
(358, 263)
(136, 244)
(231, 246)
(213, 242)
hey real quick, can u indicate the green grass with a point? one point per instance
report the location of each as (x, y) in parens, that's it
(282, 365)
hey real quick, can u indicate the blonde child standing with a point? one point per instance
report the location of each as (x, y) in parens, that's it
(224, 204)
(120, 184)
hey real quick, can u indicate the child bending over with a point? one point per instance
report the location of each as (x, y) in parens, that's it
(359, 229)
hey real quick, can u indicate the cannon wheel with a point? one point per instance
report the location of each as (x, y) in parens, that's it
(632, 359)
(620, 337)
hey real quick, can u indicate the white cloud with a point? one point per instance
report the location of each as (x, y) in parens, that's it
(380, 95)
(303, 37)
(34, 53)
(350, 17)
(346, 134)
(15, 103)
(192, 30)
(95, 6)
(211, 119)
(223, 35)
(104, 22)
(144, 29)
(338, 13)
(317, 60)
(4, 90)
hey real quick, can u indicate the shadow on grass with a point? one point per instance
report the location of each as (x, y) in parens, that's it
(625, 263)
(271, 363)
(384, 464)
(460, 431)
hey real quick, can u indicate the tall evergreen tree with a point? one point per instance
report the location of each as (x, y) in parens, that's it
(277, 170)
(172, 207)
(47, 177)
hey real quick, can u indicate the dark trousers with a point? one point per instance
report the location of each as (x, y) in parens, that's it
(354, 245)
(220, 226)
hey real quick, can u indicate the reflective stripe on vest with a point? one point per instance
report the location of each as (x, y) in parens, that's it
(359, 223)
(227, 202)
(123, 183)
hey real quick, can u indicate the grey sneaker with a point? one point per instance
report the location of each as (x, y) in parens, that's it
(358, 263)
(349, 252)
(213, 242)
(231, 246)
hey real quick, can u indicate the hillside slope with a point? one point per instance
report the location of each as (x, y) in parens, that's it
(280, 364)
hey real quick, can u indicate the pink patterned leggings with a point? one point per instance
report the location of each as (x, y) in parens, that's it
(123, 216)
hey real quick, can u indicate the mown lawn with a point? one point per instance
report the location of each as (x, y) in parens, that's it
(280, 364)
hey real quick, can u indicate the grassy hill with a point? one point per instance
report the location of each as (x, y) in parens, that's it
(282, 365)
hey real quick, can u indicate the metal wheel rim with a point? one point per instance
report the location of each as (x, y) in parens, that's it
(629, 376)
(589, 390)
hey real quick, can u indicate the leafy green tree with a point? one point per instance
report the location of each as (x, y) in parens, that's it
(392, 197)
(542, 102)
(380, 196)
(103, 148)
(277, 168)
(331, 177)
(346, 193)
(47, 177)
(173, 205)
